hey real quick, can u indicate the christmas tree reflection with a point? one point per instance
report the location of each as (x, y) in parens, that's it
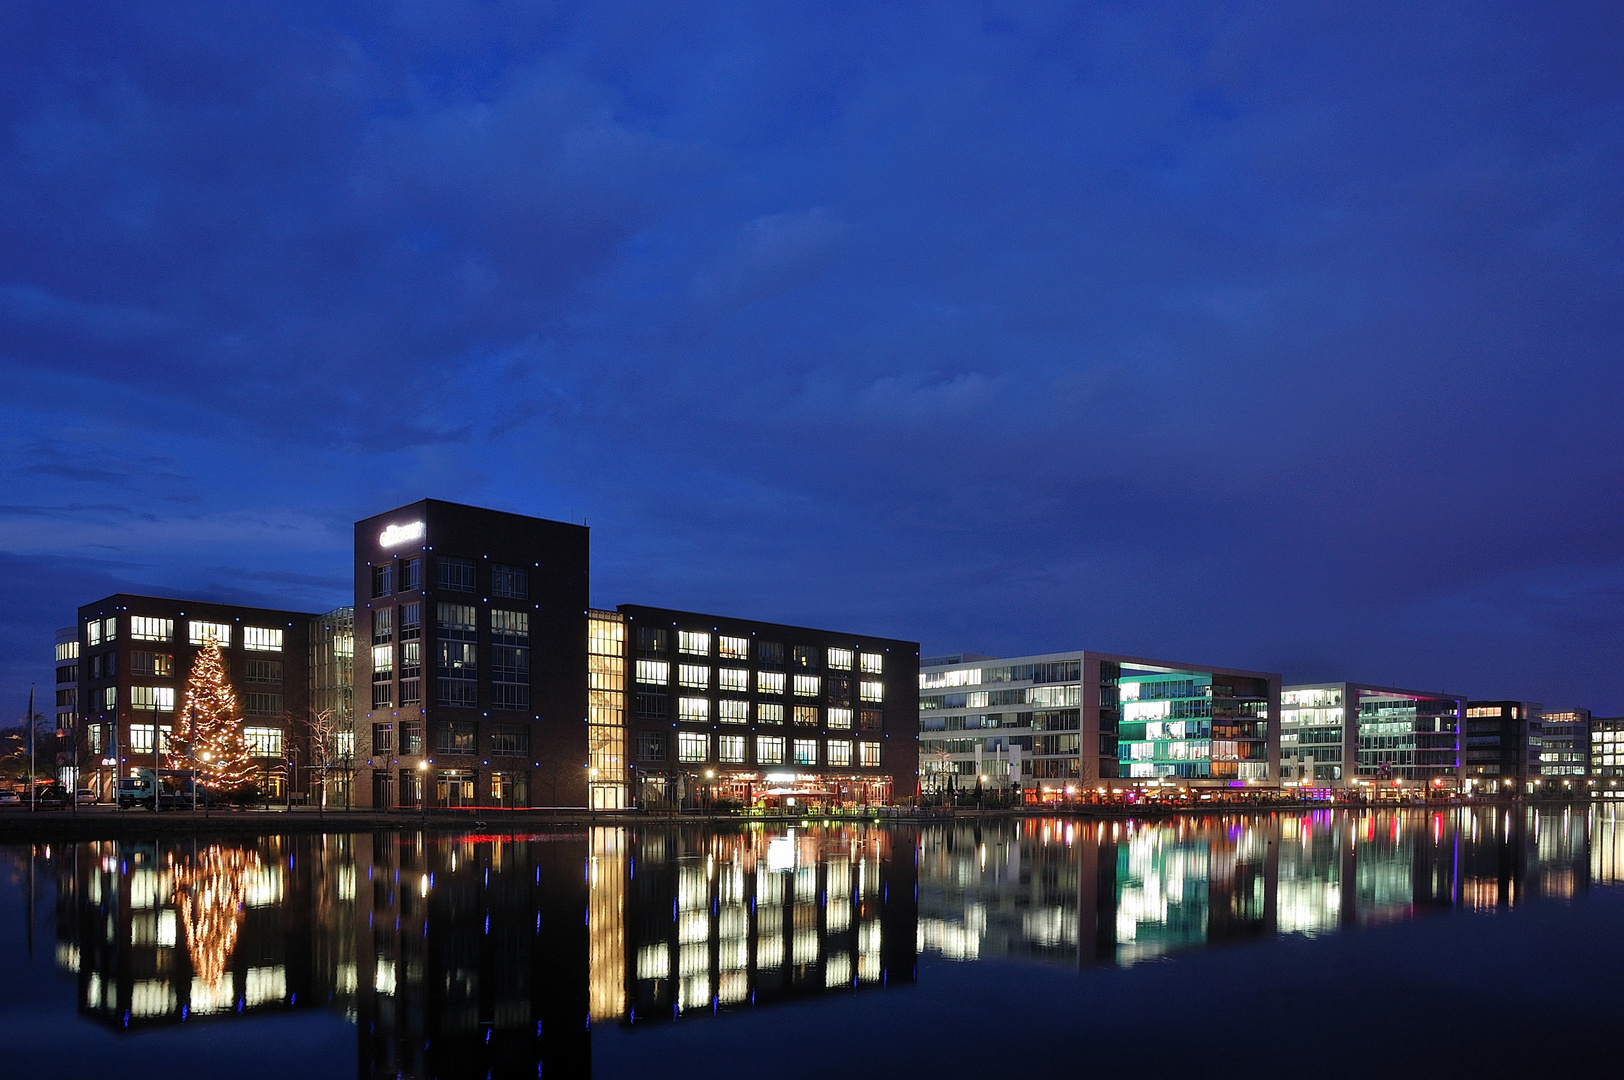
(211, 892)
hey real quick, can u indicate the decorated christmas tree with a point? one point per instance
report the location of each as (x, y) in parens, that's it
(217, 750)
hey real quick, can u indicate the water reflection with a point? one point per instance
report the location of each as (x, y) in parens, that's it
(1116, 893)
(487, 955)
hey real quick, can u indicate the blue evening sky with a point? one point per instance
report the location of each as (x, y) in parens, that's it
(1276, 335)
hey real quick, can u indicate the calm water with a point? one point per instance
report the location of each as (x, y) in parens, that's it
(1481, 942)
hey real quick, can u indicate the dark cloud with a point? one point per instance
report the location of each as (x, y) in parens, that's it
(1283, 336)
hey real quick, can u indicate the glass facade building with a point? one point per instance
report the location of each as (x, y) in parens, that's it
(1607, 756)
(1053, 724)
(1337, 735)
(1564, 752)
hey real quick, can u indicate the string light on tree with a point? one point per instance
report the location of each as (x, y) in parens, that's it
(218, 749)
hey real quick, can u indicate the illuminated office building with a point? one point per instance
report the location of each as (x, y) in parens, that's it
(1337, 735)
(470, 670)
(1564, 750)
(1502, 746)
(67, 700)
(1053, 723)
(1607, 756)
(332, 707)
(135, 655)
(760, 713)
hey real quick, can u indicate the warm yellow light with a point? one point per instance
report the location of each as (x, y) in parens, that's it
(423, 766)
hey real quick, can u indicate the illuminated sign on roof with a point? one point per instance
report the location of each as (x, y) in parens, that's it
(401, 534)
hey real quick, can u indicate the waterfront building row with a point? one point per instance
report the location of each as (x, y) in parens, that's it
(471, 670)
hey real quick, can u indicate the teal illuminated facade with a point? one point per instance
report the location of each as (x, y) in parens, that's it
(1054, 724)
(1185, 725)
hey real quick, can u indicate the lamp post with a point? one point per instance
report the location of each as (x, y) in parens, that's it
(423, 789)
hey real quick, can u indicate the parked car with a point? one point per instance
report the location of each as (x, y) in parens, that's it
(54, 797)
(10, 798)
(85, 797)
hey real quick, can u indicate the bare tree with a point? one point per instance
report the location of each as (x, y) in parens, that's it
(331, 752)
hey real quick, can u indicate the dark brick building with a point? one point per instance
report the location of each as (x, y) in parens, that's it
(470, 666)
(135, 654)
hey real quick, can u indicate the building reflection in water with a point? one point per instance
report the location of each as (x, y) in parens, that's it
(486, 955)
(1114, 893)
(476, 955)
(739, 919)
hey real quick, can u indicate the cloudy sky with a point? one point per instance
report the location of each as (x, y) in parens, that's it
(1277, 335)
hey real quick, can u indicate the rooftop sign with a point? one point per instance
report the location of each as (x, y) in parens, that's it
(401, 534)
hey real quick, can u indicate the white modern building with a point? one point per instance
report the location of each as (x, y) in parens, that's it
(1342, 734)
(1060, 722)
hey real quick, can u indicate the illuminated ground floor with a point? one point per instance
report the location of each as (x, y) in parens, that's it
(761, 790)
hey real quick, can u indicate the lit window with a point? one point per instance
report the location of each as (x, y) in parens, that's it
(261, 639)
(693, 676)
(839, 752)
(806, 751)
(383, 626)
(153, 698)
(383, 662)
(730, 749)
(871, 720)
(263, 741)
(872, 663)
(870, 754)
(840, 718)
(653, 672)
(769, 714)
(145, 629)
(109, 629)
(871, 691)
(840, 659)
(199, 632)
(692, 746)
(693, 642)
(769, 682)
(733, 648)
(693, 709)
(141, 738)
(510, 627)
(456, 622)
(68, 650)
(153, 665)
(769, 750)
(807, 685)
(734, 712)
(806, 715)
(736, 680)
(109, 698)
(93, 633)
